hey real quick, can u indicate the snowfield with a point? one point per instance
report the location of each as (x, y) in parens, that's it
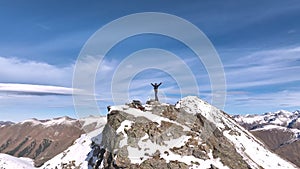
(10, 162)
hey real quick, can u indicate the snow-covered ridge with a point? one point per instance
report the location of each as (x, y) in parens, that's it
(246, 144)
(144, 134)
(98, 121)
(279, 130)
(280, 118)
(193, 105)
(78, 154)
(92, 121)
(6, 123)
(51, 122)
(74, 156)
(138, 155)
(175, 144)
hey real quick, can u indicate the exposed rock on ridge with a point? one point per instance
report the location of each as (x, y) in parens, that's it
(190, 134)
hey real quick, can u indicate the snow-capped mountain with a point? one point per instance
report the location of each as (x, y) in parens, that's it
(5, 123)
(41, 140)
(190, 134)
(77, 155)
(280, 118)
(280, 131)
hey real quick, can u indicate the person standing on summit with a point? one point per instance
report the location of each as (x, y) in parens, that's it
(155, 86)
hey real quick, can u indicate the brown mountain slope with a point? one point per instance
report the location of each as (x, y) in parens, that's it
(281, 142)
(279, 130)
(39, 140)
(290, 152)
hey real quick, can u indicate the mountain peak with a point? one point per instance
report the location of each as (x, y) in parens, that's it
(279, 130)
(190, 134)
(281, 118)
(6, 123)
(50, 122)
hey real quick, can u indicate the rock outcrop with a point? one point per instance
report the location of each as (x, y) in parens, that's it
(190, 134)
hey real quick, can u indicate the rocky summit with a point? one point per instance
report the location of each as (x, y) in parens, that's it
(189, 134)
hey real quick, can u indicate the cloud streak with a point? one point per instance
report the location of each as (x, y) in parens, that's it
(263, 102)
(270, 67)
(29, 89)
(264, 81)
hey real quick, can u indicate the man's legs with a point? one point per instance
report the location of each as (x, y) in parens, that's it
(155, 91)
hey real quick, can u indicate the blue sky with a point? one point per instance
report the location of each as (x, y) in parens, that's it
(258, 43)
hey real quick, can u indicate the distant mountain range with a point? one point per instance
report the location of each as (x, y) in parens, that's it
(5, 123)
(190, 134)
(280, 131)
(41, 140)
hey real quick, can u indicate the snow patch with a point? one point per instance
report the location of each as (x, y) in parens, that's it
(10, 162)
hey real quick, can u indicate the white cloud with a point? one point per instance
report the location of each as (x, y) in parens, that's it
(270, 67)
(264, 68)
(15, 70)
(263, 81)
(37, 87)
(29, 89)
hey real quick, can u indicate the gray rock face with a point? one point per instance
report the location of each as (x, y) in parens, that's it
(204, 140)
(190, 134)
